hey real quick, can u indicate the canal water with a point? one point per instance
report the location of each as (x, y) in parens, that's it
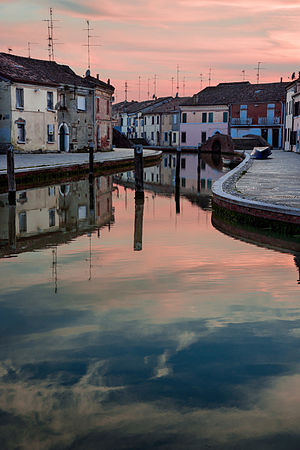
(131, 325)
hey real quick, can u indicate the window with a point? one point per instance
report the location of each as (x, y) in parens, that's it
(210, 117)
(225, 117)
(297, 109)
(165, 136)
(203, 137)
(82, 212)
(20, 98)
(145, 120)
(293, 138)
(183, 117)
(21, 133)
(174, 119)
(121, 121)
(22, 197)
(22, 222)
(183, 163)
(152, 135)
(98, 105)
(203, 164)
(174, 138)
(204, 117)
(157, 120)
(165, 162)
(183, 137)
(152, 120)
(52, 217)
(107, 107)
(51, 191)
(62, 100)
(81, 103)
(108, 133)
(50, 101)
(128, 122)
(183, 182)
(209, 183)
(50, 133)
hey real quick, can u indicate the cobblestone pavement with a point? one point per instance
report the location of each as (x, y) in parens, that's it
(274, 180)
(36, 161)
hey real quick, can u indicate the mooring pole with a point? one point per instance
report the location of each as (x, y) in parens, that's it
(139, 171)
(138, 223)
(199, 169)
(11, 175)
(177, 180)
(91, 161)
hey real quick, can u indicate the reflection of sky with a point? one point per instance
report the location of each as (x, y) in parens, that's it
(192, 342)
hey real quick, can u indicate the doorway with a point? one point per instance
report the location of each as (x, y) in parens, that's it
(63, 137)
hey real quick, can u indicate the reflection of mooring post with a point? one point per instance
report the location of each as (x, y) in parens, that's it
(11, 176)
(138, 171)
(91, 161)
(199, 169)
(12, 227)
(92, 201)
(177, 180)
(297, 262)
(138, 223)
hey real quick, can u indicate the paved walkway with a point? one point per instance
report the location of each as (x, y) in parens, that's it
(32, 162)
(275, 180)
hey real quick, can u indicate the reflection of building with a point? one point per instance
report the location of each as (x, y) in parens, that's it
(45, 212)
(292, 117)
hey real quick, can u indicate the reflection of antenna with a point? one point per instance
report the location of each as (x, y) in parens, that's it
(89, 45)
(54, 268)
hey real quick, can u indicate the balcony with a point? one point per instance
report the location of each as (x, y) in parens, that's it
(239, 121)
(269, 121)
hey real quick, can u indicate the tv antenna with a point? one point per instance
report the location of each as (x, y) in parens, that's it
(177, 86)
(172, 81)
(126, 91)
(89, 45)
(201, 81)
(244, 74)
(209, 76)
(50, 35)
(154, 84)
(148, 92)
(258, 68)
(183, 86)
(29, 44)
(139, 88)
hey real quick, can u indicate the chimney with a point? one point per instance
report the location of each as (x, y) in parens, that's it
(97, 76)
(280, 79)
(88, 73)
(108, 81)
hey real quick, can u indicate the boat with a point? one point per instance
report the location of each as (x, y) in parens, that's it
(260, 152)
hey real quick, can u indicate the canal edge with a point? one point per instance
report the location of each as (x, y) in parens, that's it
(238, 208)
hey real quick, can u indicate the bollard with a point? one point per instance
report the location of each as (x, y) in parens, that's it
(139, 171)
(11, 175)
(138, 224)
(91, 161)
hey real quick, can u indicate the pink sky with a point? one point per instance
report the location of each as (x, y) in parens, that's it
(143, 38)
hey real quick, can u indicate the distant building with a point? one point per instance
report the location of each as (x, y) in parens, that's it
(237, 109)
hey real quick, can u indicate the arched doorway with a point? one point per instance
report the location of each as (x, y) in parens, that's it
(63, 137)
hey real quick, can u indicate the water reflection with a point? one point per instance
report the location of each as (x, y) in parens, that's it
(192, 342)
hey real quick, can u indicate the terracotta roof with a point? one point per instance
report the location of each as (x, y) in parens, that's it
(170, 106)
(240, 92)
(38, 71)
(133, 106)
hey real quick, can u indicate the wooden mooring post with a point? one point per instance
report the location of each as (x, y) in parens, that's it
(91, 161)
(139, 171)
(10, 157)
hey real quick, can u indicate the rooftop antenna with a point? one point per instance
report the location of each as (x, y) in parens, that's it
(148, 92)
(258, 68)
(50, 35)
(183, 86)
(172, 81)
(9, 50)
(243, 74)
(126, 90)
(89, 45)
(209, 77)
(29, 44)
(201, 81)
(154, 85)
(139, 88)
(177, 86)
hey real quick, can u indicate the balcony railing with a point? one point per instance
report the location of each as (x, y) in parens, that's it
(238, 121)
(268, 120)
